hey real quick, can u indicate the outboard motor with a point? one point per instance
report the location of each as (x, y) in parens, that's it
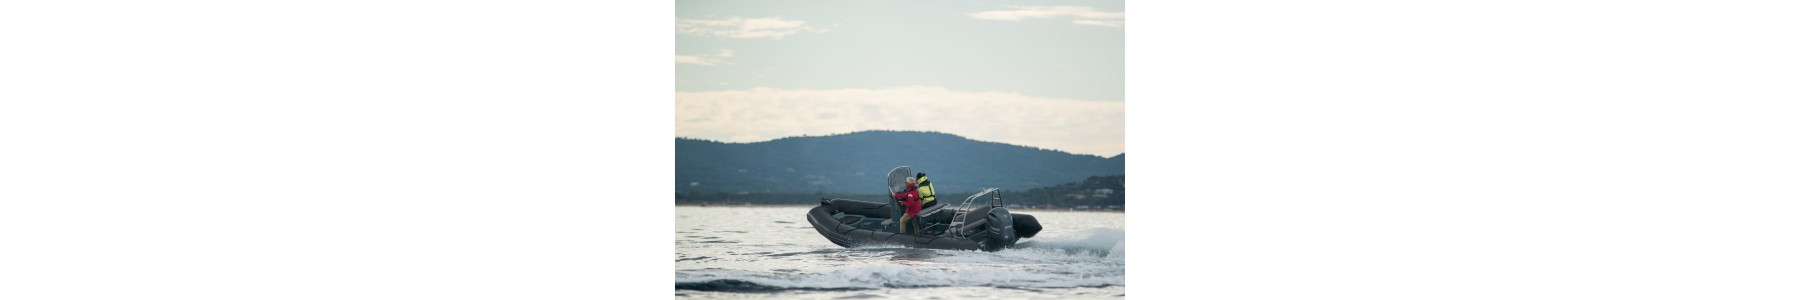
(1000, 228)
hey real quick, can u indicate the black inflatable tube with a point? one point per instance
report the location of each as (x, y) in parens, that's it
(848, 236)
(1026, 225)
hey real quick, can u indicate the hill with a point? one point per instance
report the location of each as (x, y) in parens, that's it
(1094, 192)
(858, 162)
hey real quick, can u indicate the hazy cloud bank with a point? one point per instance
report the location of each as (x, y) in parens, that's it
(742, 28)
(709, 59)
(1080, 15)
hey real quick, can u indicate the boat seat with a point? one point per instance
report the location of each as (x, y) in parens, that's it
(935, 208)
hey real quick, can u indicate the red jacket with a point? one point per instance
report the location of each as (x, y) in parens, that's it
(910, 199)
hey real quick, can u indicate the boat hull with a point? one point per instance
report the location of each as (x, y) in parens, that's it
(851, 223)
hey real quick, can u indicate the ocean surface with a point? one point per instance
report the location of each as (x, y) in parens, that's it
(771, 252)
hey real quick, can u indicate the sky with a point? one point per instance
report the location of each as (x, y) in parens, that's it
(1046, 74)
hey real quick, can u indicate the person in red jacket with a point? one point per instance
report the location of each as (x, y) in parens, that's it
(910, 200)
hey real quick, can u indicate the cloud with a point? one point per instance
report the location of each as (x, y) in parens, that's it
(1105, 23)
(742, 28)
(760, 114)
(1081, 15)
(716, 58)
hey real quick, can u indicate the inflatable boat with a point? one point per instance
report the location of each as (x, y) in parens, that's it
(968, 226)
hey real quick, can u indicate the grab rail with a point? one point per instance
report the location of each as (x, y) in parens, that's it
(962, 211)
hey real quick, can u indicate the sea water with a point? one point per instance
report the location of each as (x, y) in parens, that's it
(772, 252)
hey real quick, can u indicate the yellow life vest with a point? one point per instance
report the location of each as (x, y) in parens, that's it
(925, 192)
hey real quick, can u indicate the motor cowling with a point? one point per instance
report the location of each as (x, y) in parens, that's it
(1000, 228)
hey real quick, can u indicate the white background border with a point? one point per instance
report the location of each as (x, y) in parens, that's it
(1300, 150)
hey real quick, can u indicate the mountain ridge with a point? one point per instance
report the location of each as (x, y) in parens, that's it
(858, 162)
